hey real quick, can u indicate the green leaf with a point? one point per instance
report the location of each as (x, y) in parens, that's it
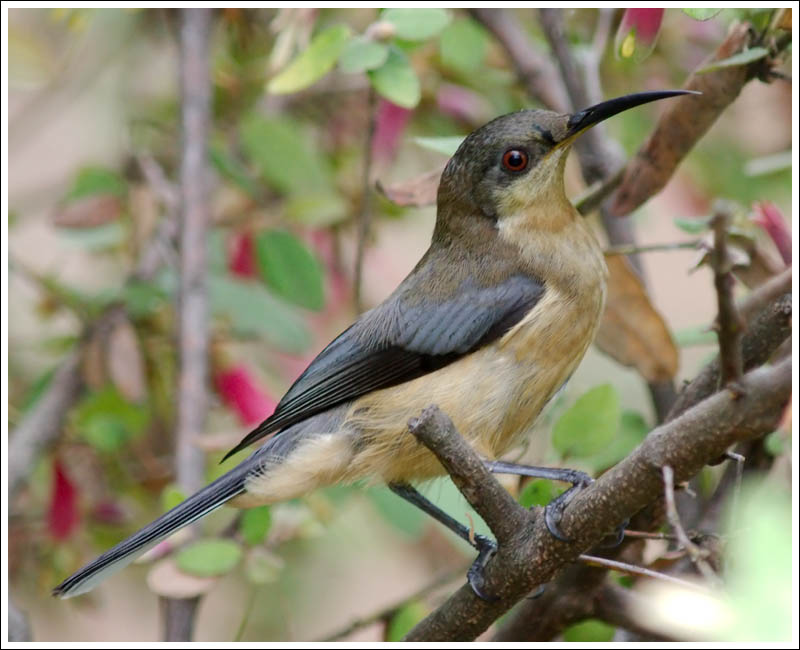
(446, 145)
(36, 390)
(313, 63)
(290, 269)
(463, 45)
(590, 630)
(775, 443)
(742, 58)
(416, 24)
(232, 169)
(538, 492)
(693, 226)
(362, 54)
(171, 496)
(589, 424)
(209, 557)
(317, 209)
(255, 524)
(98, 238)
(396, 80)
(107, 421)
(142, 299)
(405, 619)
(97, 180)
(282, 151)
(632, 430)
(701, 14)
(254, 311)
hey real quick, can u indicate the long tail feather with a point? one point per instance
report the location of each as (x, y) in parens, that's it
(209, 498)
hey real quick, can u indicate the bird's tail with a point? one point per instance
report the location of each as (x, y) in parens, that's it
(209, 498)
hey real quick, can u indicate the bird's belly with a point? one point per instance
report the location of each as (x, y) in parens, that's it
(493, 395)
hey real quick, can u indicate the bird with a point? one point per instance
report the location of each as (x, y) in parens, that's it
(490, 323)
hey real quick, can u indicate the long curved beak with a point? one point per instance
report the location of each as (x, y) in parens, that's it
(588, 117)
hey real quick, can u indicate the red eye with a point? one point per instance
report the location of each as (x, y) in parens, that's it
(515, 160)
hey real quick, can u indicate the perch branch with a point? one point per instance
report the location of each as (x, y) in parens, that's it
(531, 556)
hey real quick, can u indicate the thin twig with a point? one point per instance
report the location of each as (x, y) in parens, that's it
(387, 612)
(650, 248)
(633, 570)
(366, 203)
(696, 554)
(192, 394)
(729, 325)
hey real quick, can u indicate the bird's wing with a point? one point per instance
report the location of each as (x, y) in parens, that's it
(399, 341)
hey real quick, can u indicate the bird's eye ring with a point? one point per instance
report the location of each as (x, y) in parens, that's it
(515, 160)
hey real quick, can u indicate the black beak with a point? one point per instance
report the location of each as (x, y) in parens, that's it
(588, 117)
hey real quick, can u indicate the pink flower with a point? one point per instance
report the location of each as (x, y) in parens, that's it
(773, 222)
(62, 513)
(241, 393)
(241, 255)
(390, 122)
(637, 33)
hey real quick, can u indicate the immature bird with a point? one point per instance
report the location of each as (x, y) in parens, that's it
(491, 322)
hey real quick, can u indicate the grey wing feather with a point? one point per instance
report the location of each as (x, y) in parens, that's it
(397, 342)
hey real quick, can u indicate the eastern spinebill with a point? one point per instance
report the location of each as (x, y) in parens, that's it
(491, 322)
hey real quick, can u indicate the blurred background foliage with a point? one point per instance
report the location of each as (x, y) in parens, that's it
(310, 109)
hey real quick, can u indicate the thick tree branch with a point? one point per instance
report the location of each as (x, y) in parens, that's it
(179, 615)
(533, 556)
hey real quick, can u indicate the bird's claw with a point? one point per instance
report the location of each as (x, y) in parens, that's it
(486, 548)
(619, 535)
(555, 509)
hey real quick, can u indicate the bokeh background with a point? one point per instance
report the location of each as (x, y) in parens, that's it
(93, 102)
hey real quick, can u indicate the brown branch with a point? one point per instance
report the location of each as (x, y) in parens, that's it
(491, 501)
(696, 554)
(684, 121)
(532, 556)
(728, 325)
(650, 248)
(537, 74)
(764, 334)
(41, 427)
(192, 395)
(633, 570)
(759, 299)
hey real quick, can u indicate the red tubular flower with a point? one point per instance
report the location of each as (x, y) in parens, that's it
(390, 122)
(241, 393)
(769, 217)
(62, 513)
(241, 255)
(637, 33)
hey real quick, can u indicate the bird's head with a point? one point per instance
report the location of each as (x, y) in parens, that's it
(515, 163)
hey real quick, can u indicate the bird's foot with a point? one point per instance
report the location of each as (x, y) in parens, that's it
(486, 548)
(555, 509)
